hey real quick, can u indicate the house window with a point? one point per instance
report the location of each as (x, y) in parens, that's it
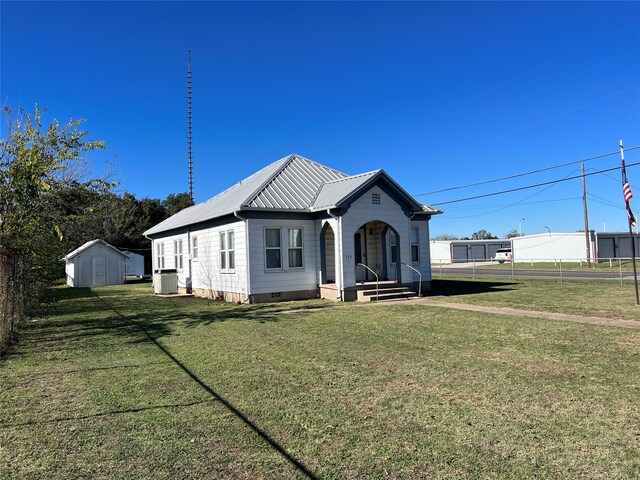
(375, 198)
(194, 248)
(415, 245)
(231, 250)
(177, 254)
(223, 251)
(394, 247)
(160, 255)
(295, 247)
(272, 248)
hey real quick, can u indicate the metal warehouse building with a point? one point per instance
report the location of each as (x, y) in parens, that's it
(542, 247)
(460, 251)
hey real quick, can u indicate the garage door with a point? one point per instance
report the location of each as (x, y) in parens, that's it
(477, 252)
(606, 249)
(460, 253)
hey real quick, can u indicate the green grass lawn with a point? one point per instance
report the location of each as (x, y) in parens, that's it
(116, 383)
(604, 298)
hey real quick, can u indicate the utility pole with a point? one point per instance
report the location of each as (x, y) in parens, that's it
(586, 218)
(189, 133)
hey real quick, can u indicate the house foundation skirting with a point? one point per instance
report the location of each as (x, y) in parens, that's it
(256, 298)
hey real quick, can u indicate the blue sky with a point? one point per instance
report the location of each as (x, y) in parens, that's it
(436, 94)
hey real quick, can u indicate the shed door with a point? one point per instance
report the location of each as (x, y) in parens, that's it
(99, 272)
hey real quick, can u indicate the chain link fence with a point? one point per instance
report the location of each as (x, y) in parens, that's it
(614, 269)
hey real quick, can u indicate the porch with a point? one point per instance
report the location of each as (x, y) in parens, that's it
(369, 291)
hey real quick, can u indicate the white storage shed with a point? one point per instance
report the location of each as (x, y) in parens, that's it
(134, 264)
(95, 264)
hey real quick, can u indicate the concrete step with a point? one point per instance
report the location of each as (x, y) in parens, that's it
(387, 293)
(389, 296)
(384, 290)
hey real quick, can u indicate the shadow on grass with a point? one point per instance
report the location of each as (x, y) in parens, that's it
(213, 393)
(452, 288)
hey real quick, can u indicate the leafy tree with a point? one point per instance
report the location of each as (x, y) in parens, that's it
(513, 233)
(446, 236)
(482, 235)
(176, 202)
(38, 166)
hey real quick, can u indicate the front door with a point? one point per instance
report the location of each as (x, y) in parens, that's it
(360, 256)
(99, 272)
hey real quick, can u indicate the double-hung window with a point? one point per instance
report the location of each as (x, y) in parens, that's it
(415, 245)
(231, 250)
(227, 250)
(194, 248)
(177, 254)
(295, 247)
(223, 250)
(394, 247)
(273, 257)
(160, 255)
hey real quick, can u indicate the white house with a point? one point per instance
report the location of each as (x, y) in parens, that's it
(297, 229)
(95, 264)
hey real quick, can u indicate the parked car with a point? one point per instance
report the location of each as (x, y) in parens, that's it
(503, 255)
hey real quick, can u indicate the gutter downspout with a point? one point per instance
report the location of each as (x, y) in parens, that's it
(339, 253)
(246, 252)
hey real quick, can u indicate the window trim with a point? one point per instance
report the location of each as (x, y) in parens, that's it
(178, 256)
(393, 244)
(194, 248)
(222, 238)
(301, 248)
(160, 256)
(231, 269)
(279, 247)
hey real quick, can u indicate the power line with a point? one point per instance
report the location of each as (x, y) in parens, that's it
(534, 186)
(617, 152)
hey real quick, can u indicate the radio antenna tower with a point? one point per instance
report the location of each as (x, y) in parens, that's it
(189, 131)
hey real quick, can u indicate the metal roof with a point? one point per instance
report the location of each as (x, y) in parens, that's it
(88, 245)
(291, 183)
(333, 192)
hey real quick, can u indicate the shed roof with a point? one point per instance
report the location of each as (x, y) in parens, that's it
(293, 183)
(88, 245)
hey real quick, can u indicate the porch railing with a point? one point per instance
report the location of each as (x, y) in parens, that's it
(377, 278)
(416, 270)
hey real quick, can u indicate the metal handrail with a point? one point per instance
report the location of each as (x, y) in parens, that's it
(416, 270)
(377, 278)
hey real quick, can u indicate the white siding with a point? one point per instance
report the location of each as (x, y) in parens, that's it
(546, 247)
(69, 270)
(441, 251)
(83, 266)
(205, 270)
(285, 280)
(363, 211)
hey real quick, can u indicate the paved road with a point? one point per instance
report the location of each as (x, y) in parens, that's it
(468, 271)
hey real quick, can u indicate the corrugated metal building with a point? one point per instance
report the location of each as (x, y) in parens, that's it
(461, 251)
(541, 247)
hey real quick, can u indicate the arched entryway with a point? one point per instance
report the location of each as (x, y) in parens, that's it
(327, 255)
(376, 246)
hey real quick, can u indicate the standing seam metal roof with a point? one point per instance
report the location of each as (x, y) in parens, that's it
(291, 183)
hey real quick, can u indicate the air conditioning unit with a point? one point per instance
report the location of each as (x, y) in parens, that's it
(165, 282)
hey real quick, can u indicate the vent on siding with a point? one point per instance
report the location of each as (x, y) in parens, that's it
(375, 198)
